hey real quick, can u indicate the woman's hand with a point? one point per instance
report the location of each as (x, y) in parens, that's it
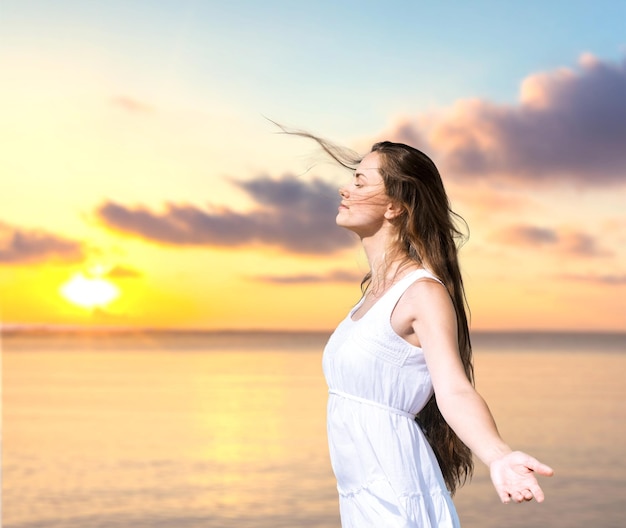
(513, 476)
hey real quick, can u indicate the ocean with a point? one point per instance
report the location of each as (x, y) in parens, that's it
(227, 429)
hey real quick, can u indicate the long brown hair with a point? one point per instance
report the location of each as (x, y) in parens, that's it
(428, 236)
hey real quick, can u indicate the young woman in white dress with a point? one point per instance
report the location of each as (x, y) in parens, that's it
(403, 415)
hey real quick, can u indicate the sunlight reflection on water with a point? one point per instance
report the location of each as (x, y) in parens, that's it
(236, 438)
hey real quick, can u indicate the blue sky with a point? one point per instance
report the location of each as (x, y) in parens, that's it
(345, 65)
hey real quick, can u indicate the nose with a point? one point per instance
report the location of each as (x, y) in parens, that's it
(343, 193)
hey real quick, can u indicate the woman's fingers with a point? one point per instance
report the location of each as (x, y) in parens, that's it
(527, 495)
(537, 492)
(514, 477)
(517, 496)
(504, 496)
(538, 467)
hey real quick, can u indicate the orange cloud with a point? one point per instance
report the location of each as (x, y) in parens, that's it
(483, 198)
(606, 280)
(563, 241)
(123, 272)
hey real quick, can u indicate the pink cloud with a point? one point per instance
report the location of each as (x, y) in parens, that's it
(569, 125)
(131, 104)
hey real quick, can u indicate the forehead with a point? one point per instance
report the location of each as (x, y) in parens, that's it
(369, 164)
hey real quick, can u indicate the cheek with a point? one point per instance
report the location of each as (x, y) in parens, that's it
(372, 199)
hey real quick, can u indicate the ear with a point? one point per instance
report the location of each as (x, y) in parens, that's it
(393, 210)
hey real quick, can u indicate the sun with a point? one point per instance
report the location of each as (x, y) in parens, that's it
(89, 292)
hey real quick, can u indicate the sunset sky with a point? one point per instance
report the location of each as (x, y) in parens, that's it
(137, 158)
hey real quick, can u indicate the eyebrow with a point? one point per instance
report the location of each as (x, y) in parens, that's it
(357, 174)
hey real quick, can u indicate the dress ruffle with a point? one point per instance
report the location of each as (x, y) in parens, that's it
(377, 505)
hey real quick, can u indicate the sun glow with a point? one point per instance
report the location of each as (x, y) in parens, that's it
(89, 292)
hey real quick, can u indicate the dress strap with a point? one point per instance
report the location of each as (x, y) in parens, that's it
(403, 285)
(373, 403)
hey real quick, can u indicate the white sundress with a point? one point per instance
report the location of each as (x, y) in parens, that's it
(387, 474)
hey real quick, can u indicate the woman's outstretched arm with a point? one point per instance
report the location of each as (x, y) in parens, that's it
(434, 322)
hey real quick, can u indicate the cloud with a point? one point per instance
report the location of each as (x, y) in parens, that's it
(569, 125)
(291, 214)
(582, 244)
(528, 235)
(486, 199)
(333, 276)
(123, 272)
(562, 241)
(131, 104)
(21, 246)
(405, 131)
(606, 280)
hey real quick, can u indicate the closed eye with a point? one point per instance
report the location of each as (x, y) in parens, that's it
(358, 180)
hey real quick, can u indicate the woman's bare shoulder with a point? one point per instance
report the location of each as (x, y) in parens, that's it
(423, 292)
(426, 301)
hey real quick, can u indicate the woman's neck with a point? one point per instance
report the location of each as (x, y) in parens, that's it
(385, 263)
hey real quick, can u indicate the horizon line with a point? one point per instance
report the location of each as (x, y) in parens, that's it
(45, 328)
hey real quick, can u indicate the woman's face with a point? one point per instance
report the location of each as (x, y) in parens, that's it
(364, 201)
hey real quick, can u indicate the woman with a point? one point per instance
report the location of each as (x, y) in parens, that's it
(403, 415)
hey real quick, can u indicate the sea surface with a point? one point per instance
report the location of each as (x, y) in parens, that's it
(227, 430)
